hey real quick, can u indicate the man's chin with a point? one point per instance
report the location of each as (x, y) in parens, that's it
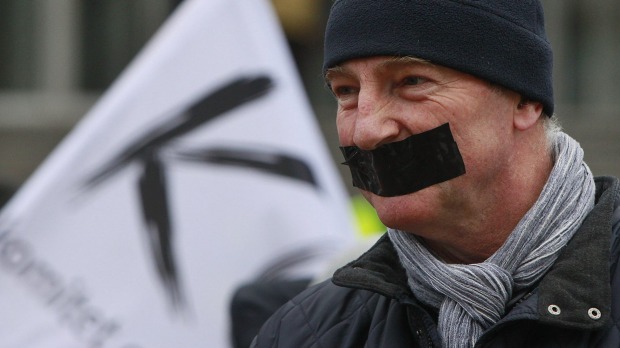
(404, 212)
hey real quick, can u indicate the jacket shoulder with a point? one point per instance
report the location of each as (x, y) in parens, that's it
(327, 315)
(316, 317)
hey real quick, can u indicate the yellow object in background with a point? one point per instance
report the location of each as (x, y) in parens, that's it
(366, 220)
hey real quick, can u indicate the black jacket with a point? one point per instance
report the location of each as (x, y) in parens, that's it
(370, 305)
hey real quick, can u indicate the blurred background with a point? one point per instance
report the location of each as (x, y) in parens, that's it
(58, 56)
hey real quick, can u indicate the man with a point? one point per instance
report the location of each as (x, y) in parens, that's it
(498, 235)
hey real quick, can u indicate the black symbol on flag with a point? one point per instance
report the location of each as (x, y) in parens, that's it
(146, 151)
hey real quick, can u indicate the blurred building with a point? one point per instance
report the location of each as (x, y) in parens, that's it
(58, 56)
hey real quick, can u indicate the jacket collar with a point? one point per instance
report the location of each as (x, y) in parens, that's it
(576, 292)
(378, 270)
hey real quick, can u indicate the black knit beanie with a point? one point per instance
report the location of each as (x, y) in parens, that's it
(501, 41)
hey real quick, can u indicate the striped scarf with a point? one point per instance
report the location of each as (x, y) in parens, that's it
(471, 298)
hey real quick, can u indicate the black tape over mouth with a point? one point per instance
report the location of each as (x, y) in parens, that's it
(406, 166)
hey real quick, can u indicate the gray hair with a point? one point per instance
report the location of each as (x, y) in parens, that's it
(552, 129)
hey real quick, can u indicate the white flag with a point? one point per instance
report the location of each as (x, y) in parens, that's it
(200, 168)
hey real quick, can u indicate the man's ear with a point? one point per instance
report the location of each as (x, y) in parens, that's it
(526, 114)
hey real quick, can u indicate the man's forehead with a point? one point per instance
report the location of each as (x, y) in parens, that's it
(377, 62)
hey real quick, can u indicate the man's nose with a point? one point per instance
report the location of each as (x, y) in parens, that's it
(375, 123)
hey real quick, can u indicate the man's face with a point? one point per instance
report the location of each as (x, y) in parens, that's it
(387, 99)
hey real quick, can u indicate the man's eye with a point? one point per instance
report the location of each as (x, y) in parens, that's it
(413, 80)
(343, 91)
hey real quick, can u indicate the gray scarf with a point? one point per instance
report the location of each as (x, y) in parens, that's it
(471, 298)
